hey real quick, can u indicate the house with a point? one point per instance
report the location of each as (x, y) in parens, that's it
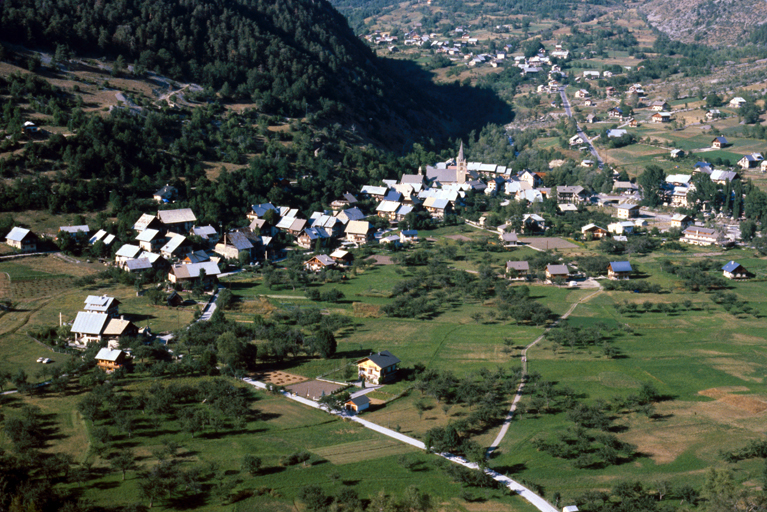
(309, 237)
(582, 94)
(678, 180)
(233, 245)
(387, 209)
(677, 153)
(166, 194)
(567, 207)
(589, 75)
(407, 236)
(763, 166)
(150, 240)
(73, 230)
(89, 327)
(22, 239)
(570, 508)
(737, 102)
(178, 221)
(357, 404)
(207, 233)
(137, 265)
(696, 235)
(359, 231)
(719, 142)
(110, 360)
(147, 221)
(627, 211)
(182, 273)
(350, 214)
(125, 253)
(633, 123)
(679, 197)
(533, 222)
(621, 228)
(438, 207)
(722, 177)
(516, 269)
(659, 106)
(342, 257)
(346, 200)
(296, 227)
(102, 304)
(619, 270)
(378, 368)
(573, 194)
(592, 118)
(118, 328)
(29, 128)
(509, 239)
(625, 186)
(661, 117)
(557, 272)
(609, 91)
(734, 270)
(194, 257)
(680, 220)
(615, 112)
(174, 299)
(749, 161)
(595, 231)
(320, 262)
(258, 211)
(173, 246)
(713, 114)
(576, 140)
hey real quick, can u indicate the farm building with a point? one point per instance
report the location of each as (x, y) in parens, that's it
(357, 404)
(734, 270)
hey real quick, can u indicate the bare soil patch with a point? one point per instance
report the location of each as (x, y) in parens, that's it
(746, 404)
(544, 243)
(381, 259)
(278, 378)
(313, 388)
(459, 237)
(359, 451)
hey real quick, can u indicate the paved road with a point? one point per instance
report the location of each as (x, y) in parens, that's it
(518, 397)
(583, 136)
(537, 501)
(211, 307)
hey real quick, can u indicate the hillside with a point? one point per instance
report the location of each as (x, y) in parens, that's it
(710, 22)
(287, 57)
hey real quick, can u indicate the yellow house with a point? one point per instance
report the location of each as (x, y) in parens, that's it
(378, 368)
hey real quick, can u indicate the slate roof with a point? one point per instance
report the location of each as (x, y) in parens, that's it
(315, 233)
(99, 303)
(138, 264)
(239, 241)
(204, 231)
(409, 232)
(17, 234)
(143, 221)
(192, 270)
(73, 230)
(359, 401)
(260, 209)
(353, 214)
(392, 195)
(147, 235)
(350, 198)
(411, 179)
(358, 227)
(89, 323)
(325, 260)
(620, 266)
(176, 216)
(383, 359)
(557, 269)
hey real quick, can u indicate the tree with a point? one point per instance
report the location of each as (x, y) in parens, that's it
(225, 299)
(123, 462)
(748, 230)
(335, 402)
(232, 350)
(313, 497)
(650, 183)
(150, 488)
(325, 343)
(251, 464)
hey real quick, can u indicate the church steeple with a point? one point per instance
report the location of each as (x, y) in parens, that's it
(461, 159)
(460, 163)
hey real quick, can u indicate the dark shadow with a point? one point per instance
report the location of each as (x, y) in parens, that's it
(271, 470)
(350, 482)
(513, 469)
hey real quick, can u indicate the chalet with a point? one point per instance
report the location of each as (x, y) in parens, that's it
(719, 142)
(102, 304)
(195, 257)
(592, 118)
(387, 209)
(147, 221)
(661, 117)
(679, 197)
(150, 240)
(515, 269)
(722, 177)
(89, 327)
(262, 227)
(573, 194)
(567, 207)
(595, 231)
(680, 220)
(374, 191)
(625, 186)
(621, 228)
(619, 270)
(713, 114)
(438, 208)
(633, 123)
(557, 272)
(173, 246)
(627, 211)
(119, 328)
(737, 102)
(342, 257)
(178, 221)
(509, 239)
(407, 236)
(576, 140)
(332, 225)
(166, 194)
(357, 404)
(137, 265)
(110, 360)
(22, 239)
(533, 179)
(391, 239)
(378, 368)
(125, 253)
(677, 153)
(532, 222)
(320, 262)
(678, 180)
(583, 94)
(234, 245)
(259, 211)
(344, 201)
(207, 270)
(359, 231)
(734, 270)
(589, 75)
(659, 106)
(73, 230)
(696, 235)
(309, 237)
(350, 214)
(207, 233)
(615, 112)
(609, 91)
(749, 161)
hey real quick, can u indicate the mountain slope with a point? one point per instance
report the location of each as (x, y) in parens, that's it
(710, 22)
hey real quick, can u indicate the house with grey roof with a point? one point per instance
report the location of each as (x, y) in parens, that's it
(89, 327)
(73, 230)
(125, 253)
(179, 221)
(234, 244)
(147, 221)
(350, 214)
(187, 273)
(150, 240)
(22, 239)
(309, 237)
(173, 247)
(359, 231)
(378, 367)
(320, 262)
(516, 269)
(102, 304)
(166, 194)
(557, 272)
